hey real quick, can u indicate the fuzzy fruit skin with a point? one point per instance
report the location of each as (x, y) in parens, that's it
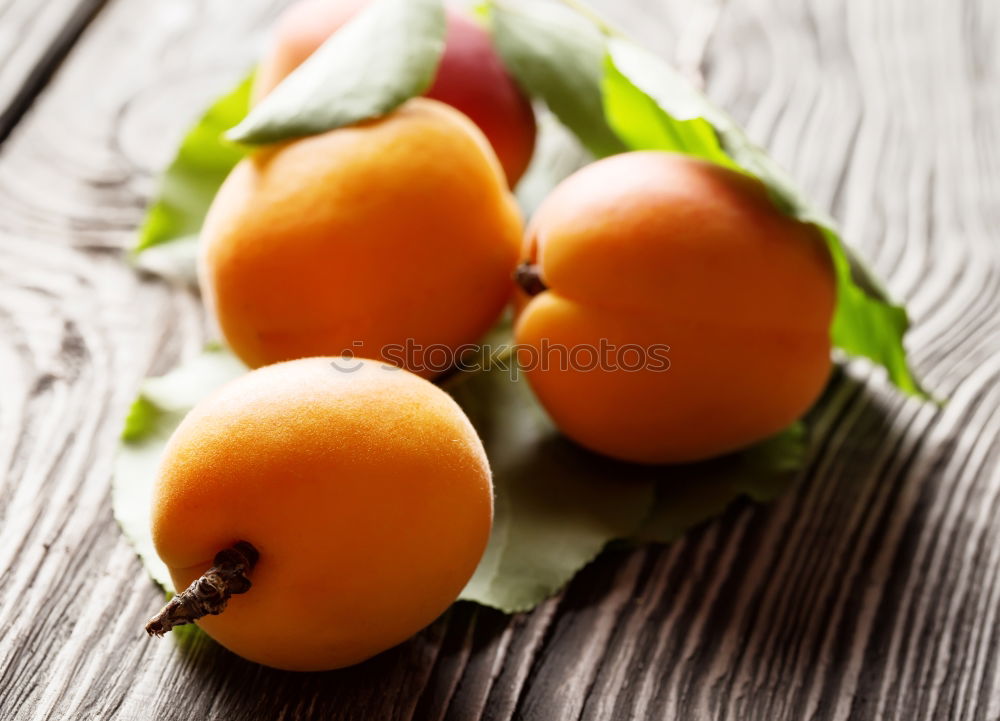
(361, 238)
(367, 494)
(471, 76)
(657, 248)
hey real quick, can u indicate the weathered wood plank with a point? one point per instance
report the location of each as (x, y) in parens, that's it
(34, 39)
(870, 592)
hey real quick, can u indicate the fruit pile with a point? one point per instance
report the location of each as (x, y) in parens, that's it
(334, 501)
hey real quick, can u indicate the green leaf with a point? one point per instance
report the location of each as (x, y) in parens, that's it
(643, 125)
(142, 420)
(651, 106)
(558, 56)
(557, 505)
(134, 475)
(385, 55)
(694, 493)
(203, 161)
(175, 259)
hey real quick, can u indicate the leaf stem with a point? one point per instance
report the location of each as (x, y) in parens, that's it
(210, 592)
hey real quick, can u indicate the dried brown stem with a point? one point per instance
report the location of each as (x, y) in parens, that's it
(529, 277)
(209, 593)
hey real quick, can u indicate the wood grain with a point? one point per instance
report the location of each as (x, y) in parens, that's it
(870, 592)
(34, 39)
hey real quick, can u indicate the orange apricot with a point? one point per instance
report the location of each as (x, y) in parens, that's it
(471, 77)
(398, 232)
(677, 314)
(359, 494)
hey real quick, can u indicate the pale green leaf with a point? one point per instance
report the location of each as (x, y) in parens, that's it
(382, 57)
(203, 161)
(557, 505)
(558, 56)
(162, 404)
(175, 259)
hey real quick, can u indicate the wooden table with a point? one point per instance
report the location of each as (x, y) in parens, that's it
(870, 592)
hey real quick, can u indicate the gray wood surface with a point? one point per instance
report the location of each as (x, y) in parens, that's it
(870, 592)
(34, 39)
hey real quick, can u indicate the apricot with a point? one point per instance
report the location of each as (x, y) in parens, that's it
(649, 250)
(398, 232)
(361, 491)
(471, 76)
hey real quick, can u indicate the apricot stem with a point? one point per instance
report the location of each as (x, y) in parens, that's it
(209, 593)
(529, 278)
